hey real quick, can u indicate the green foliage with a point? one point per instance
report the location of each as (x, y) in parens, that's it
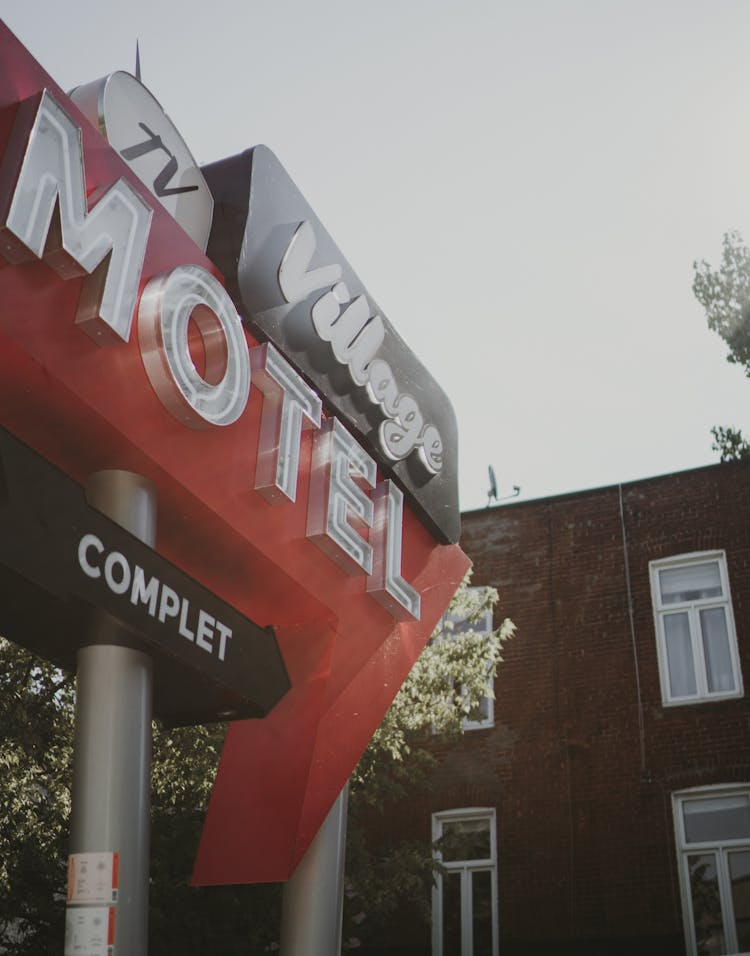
(448, 681)
(450, 678)
(36, 733)
(192, 921)
(382, 880)
(36, 749)
(730, 444)
(724, 294)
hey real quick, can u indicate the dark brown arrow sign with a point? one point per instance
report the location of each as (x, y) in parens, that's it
(62, 561)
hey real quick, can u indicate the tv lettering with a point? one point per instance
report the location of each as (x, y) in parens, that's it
(137, 128)
(169, 171)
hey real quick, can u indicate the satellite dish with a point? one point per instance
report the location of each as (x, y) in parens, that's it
(492, 493)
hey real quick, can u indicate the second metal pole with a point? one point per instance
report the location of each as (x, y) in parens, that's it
(313, 901)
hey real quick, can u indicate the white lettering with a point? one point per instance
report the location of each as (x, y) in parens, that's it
(401, 435)
(327, 309)
(86, 542)
(337, 502)
(107, 243)
(183, 628)
(143, 593)
(121, 579)
(115, 559)
(169, 605)
(204, 633)
(289, 405)
(382, 387)
(386, 583)
(296, 280)
(225, 634)
(431, 449)
(169, 303)
(355, 337)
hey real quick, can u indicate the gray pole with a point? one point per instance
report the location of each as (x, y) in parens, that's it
(112, 749)
(313, 901)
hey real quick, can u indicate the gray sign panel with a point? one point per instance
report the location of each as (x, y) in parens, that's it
(292, 286)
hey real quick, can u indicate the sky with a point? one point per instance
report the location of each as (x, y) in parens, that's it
(522, 186)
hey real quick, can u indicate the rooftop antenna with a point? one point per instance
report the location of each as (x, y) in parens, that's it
(137, 62)
(492, 493)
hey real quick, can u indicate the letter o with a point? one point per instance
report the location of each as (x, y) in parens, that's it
(167, 305)
(116, 559)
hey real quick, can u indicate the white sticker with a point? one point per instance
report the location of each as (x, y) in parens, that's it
(89, 931)
(93, 877)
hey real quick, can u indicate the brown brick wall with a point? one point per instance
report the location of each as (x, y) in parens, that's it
(583, 758)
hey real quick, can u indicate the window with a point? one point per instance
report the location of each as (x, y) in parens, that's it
(484, 714)
(695, 628)
(713, 846)
(464, 901)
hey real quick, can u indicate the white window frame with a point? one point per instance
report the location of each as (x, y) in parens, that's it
(482, 626)
(465, 868)
(720, 848)
(692, 608)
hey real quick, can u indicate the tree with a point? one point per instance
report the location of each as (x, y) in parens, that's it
(724, 294)
(36, 733)
(37, 703)
(447, 683)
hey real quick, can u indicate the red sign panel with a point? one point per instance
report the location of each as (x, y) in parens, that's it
(90, 379)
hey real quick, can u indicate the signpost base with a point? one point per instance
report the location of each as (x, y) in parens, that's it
(108, 884)
(313, 899)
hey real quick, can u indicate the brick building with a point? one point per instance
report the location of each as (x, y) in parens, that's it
(605, 806)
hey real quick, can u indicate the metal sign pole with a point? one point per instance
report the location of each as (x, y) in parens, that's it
(313, 900)
(112, 757)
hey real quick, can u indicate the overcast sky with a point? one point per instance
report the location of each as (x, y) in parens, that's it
(522, 185)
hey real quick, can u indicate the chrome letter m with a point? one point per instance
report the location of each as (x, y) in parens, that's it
(42, 170)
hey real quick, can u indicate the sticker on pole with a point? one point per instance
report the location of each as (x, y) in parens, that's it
(93, 877)
(90, 931)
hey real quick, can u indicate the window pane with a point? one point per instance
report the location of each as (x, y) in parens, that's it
(716, 649)
(481, 713)
(739, 872)
(704, 891)
(466, 840)
(462, 624)
(717, 818)
(692, 582)
(481, 913)
(452, 914)
(679, 655)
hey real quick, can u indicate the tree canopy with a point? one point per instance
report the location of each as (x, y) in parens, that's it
(446, 685)
(724, 294)
(36, 733)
